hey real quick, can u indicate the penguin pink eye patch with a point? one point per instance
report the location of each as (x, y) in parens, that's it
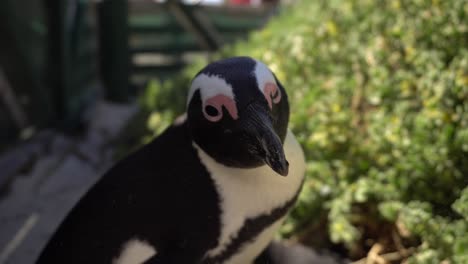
(213, 107)
(272, 94)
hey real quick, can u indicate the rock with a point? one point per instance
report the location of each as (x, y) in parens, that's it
(64, 168)
(110, 118)
(71, 173)
(283, 253)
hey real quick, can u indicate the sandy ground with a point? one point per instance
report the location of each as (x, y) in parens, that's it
(63, 169)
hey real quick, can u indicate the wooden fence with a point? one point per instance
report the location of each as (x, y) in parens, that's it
(47, 65)
(168, 35)
(54, 55)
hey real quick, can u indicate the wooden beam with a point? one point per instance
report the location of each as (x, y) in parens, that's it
(206, 36)
(8, 97)
(114, 51)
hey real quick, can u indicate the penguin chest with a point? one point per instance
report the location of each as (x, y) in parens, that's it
(253, 202)
(252, 248)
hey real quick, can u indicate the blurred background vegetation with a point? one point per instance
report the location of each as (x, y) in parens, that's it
(379, 97)
(378, 93)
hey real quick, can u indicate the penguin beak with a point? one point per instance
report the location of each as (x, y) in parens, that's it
(268, 146)
(275, 157)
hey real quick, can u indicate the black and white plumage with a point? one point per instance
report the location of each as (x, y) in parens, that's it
(210, 189)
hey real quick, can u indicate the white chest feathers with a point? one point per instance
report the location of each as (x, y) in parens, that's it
(248, 193)
(135, 251)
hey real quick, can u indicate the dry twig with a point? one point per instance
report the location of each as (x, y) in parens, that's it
(387, 257)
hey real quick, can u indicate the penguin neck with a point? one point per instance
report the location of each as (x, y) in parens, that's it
(259, 178)
(260, 187)
(250, 193)
(292, 151)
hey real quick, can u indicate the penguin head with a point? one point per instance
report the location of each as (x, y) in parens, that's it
(238, 113)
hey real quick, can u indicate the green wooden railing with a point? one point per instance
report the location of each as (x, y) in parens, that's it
(54, 54)
(158, 29)
(47, 59)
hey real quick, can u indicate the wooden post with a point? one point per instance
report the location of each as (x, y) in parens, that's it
(58, 65)
(20, 60)
(193, 22)
(113, 48)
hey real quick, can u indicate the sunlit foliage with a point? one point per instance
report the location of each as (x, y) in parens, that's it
(379, 97)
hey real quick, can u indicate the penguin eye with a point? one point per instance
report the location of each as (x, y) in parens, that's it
(211, 111)
(272, 94)
(275, 96)
(212, 107)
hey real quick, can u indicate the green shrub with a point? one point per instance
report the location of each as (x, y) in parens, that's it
(379, 97)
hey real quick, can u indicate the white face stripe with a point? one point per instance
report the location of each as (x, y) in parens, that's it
(217, 94)
(210, 85)
(247, 193)
(180, 119)
(263, 75)
(135, 251)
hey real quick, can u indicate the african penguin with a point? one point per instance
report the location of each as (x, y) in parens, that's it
(212, 188)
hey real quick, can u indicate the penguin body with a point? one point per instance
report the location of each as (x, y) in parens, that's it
(253, 204)
(147, 198)
(210, 189)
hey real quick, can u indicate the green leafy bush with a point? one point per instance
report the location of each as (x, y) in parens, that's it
(379, 97)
